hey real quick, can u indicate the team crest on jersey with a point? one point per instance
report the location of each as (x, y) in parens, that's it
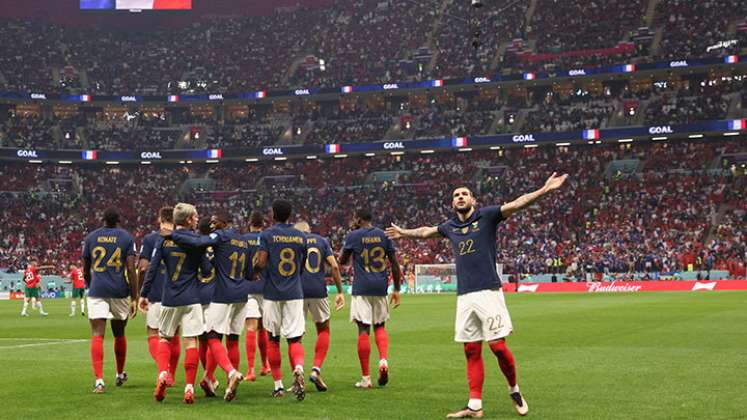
(465, 229)
(474, 227)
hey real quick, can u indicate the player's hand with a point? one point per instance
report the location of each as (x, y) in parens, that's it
(394, 232)
(165, 233)
(394, 299)
(555, 182)
(133, 308)
(339, 301)
(143, 304)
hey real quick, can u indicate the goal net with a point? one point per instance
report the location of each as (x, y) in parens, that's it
(438, 278)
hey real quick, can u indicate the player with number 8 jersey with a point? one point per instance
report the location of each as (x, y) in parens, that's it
(109, 273)
(282, 250)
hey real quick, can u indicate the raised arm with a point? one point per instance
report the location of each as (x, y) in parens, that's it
(189, 241)
(424, 232)
(526, 200)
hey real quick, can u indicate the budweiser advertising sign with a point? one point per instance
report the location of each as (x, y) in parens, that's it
(627, 286)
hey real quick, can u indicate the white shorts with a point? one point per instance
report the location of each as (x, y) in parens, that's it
(225, 318)
(153, 314)
(482, 316)
(254, 306)
(108, 308)
(318, 308)
(369, 310)
(283, 317)
(190, 318)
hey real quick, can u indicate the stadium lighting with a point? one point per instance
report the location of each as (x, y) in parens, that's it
(733, 133)
(427, 152)
(370, 154)
(495, 147)
(658, 138)
(465, 149)
(65, 162)
(562, 144)
(112, 162)
(251, 160)
(212, 161)
(281, 158)
(311, 157)
(35, 161)
(343, 156)
(397, 153)
(530, 146)
(145, 162)
(695, 136)
(625, 141)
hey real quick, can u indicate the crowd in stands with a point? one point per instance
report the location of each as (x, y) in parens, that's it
(676, 212)
(360, 42)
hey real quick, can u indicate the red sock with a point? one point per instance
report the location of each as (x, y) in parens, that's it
(176, 349)
(191, 358)
(220, 354)
(295, 354)
(364, 352)
(382, 342)
(505, 360)
(153, 347)
(321, 347)
(97, 356)
(262, 343)
(210, 363)
(203, 348)
(164, 354)
(233, 353)
(251, 347)
(120, 352)
(475, 369)
(274, 358)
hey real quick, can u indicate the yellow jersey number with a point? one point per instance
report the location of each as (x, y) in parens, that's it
(373, 260)
(114, 261)
(287, 265)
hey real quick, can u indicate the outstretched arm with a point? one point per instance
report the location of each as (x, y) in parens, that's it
(526, 200)
(425, 232)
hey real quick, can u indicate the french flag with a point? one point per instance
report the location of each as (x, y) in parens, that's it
(347, 89)
(332, 148)
(591, 134)
(437, 83)
(529, 76)
(89, 155)
(629, 68)
(214, 154)
(260, 94)
(85, 98)
(738, 125)
(731, 59)
(173, 98)
(459, 142)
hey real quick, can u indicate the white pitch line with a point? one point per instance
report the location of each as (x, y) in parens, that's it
(48, 343)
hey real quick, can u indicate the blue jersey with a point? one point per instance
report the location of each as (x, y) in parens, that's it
(370, 247)
(256, 287)
(473, 242)
(146, 252)
(286, 250)
(318, 249)
(232, 261)
(107, 249)
(182, 268)
(207, 277)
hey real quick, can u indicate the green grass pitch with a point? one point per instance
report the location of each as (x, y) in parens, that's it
(579, 356)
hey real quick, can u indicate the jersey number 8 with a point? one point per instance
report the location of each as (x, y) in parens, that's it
(287, 265)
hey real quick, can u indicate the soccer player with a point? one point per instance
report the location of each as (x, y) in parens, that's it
(481, 313)
(165, 221)
(109, 273)
(180, 305)
(79, 289)
(256, 335)
(209, 383)
(226, 313)
(282, 250)
(318, 256)
(371, 249)
(32, 279)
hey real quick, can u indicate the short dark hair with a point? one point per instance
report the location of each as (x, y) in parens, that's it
(281, 210)
(166, 215)
(111, 217)
(364, 214)
(256, 219)
(223, 216)
(203, 226)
